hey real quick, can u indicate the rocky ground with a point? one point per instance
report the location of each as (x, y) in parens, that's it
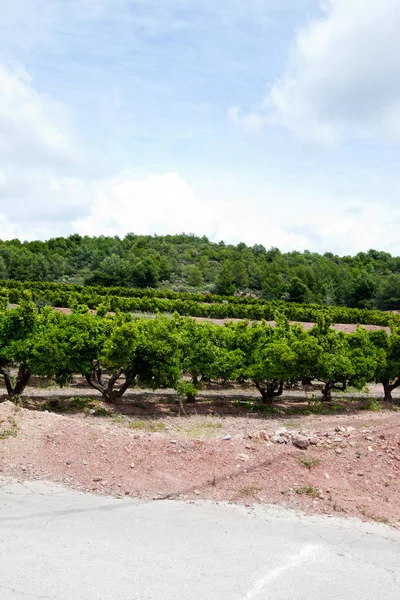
(336, 465)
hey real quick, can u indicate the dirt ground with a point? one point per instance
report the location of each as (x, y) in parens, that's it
(350, 467)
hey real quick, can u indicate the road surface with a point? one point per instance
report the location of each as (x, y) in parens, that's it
(58, 544)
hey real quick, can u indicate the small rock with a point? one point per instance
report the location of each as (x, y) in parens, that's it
(369, 438)
(23, 468)
(370, 449)
(281, 431)
(263, 435)
(243, 457)
(95, 479)
(300, 441)
(360, 474)
(350, 429)
(337, 439)
(197, 492)
(339, 451)
(173, 442)
(226, 437)
(92, 411)
(314, 441)
(132, 465)
(352, 444)
(278, 439)
(327, 476)
(68, 462)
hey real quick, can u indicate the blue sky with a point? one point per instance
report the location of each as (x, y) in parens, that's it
(265, 121)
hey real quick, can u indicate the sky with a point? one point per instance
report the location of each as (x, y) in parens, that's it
(274, 122)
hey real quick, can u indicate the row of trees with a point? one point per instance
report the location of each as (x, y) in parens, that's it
(188, 304)
(115, 353)
(367, 280)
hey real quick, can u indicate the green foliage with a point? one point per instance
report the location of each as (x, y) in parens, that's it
(307, 490)
(367, 280)
(187, 389)
(8, 428)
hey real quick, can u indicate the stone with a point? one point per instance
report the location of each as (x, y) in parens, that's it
(327, 476)
(68, 462)
(314, 441)
(350, 429)
(278, 439)
(173, 442)
(263, 435)
(300, 441)
(92, 411)
(281, 431)
(132, 465)
(226, 437)
(337, 439)
(95, 479)
(243, 457)
(339, 451)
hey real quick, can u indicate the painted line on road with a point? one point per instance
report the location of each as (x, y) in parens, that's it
(308, 552)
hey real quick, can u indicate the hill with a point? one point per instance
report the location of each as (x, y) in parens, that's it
(194, 264)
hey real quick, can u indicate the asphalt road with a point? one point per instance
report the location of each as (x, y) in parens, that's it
(56, 544)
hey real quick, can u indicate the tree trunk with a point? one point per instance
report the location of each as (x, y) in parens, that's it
(307, 381)
(327, 393)
(269, 390)
(328, 387)
(16, 387)
(388, 389)
(107, 389)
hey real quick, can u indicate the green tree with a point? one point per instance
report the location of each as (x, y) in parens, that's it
(225, 285)
(144, 351)
(388, 360)
(343, 359)
(269, 358)
(17, 331)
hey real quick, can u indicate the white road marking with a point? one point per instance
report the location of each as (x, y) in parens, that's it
(308, 552)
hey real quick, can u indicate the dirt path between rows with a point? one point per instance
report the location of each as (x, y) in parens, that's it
(352, 466)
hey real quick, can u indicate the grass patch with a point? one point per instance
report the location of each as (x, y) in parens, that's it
(264, 409)
(11, 430)
(372, 404)
(75, 405)
(375, 518)
(247, 491)
(310, 462)
(307, 490)
(149, 426)
(314, 407)
(202, 427)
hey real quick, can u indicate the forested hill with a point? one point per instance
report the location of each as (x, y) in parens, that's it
(186, 262)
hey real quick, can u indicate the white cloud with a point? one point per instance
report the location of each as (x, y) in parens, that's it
(33, 128)
(157, 204)
(167, 204)
(342, 75)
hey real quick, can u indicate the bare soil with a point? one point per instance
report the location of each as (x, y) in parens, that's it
(170, 455)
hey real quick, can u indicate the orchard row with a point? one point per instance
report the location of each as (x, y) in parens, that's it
(117, 352)
(186, 304)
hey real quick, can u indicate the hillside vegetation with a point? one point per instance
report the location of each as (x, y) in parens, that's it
(189, 263)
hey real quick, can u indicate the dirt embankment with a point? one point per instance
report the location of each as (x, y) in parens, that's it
(350, 464)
